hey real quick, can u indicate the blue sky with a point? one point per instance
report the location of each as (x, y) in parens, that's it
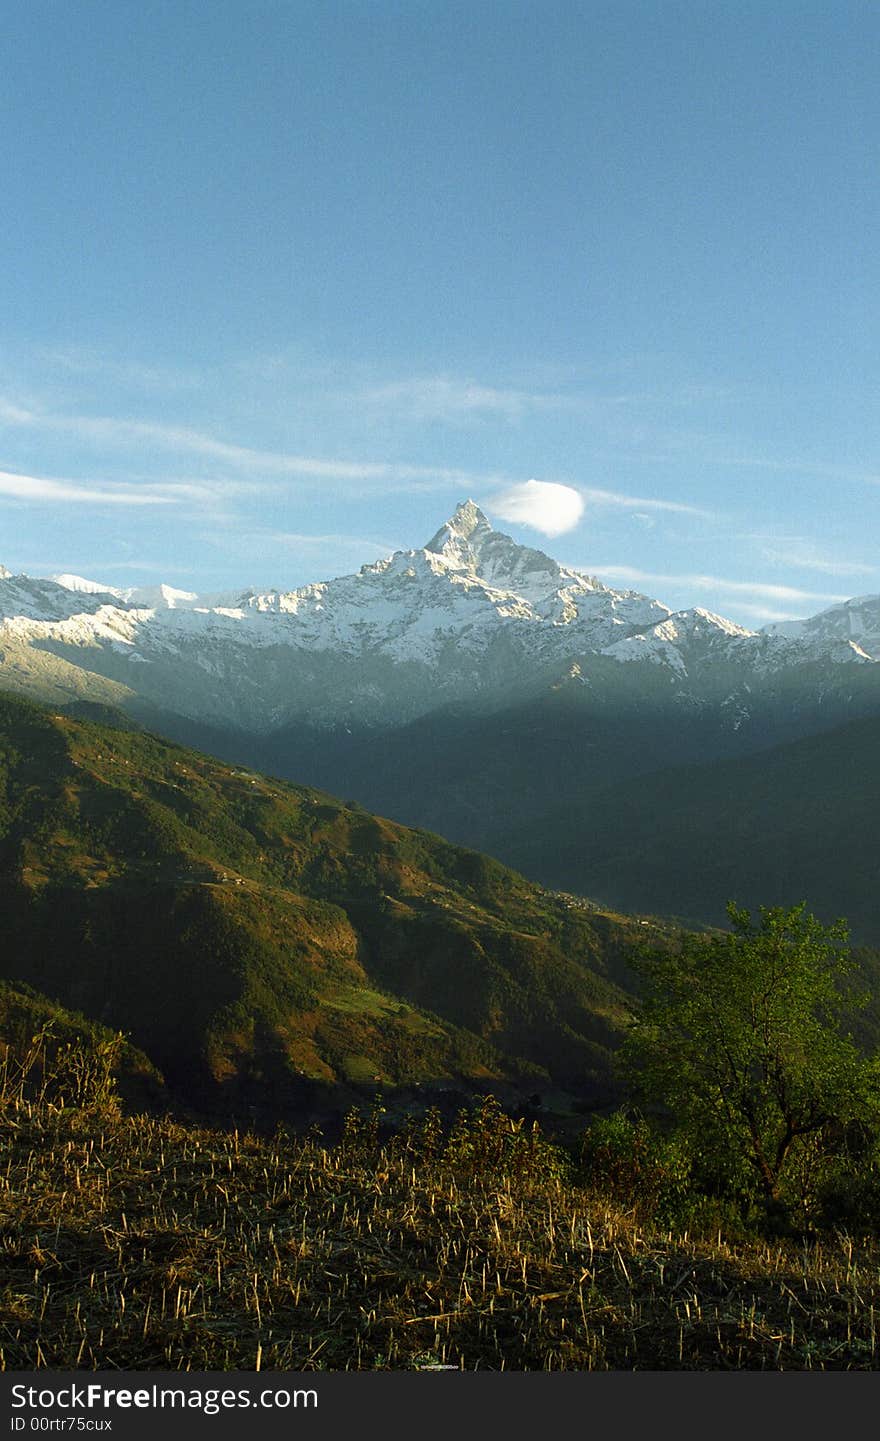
(280, 283)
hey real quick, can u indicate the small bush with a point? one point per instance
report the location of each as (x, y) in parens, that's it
(485, 1142)
(421, 1140)
(78, 1074)
(83, 1077)
(626, 1159)
(847, 1194)
(360, 1132)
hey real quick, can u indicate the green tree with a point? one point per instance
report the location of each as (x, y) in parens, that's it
(741, 1036)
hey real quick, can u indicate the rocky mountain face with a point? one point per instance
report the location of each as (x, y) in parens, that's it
(847, 632)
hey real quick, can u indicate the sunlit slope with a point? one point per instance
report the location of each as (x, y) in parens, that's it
(259, 939)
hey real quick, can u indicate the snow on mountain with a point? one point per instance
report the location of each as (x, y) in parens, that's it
(146, 597)
(88, 587)
(464, 586)
(678, 640)
(846, 632)
(468, 545)
(471, 613)
(157, 597)
(47, 601)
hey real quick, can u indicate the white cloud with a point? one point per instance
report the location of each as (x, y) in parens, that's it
(545, 506)
(125, 432)
(291, 540)
(766, 614)
(628, 573)
(35, 488)
(441, 398)
(641, 502)
(554, 509)
(797, 552)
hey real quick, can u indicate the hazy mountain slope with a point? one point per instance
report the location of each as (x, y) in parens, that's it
(265, 939)
(799, 822)
(489, 780)
(478, 779)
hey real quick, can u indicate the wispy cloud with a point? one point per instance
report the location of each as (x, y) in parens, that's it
(262, 464)
(146, 567)
(765, 613)
(711, 450)
(301, 541)
(316, 557)
(113, 430)
(13, 414)
(799, 553)
(826, 470)
(445, 398)
(716, 583)
(51, 491)
(643, 503)
(83, 361)
(455, 398)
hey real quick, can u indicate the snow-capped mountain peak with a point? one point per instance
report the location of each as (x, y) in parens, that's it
(461, 539)
(850, 629)
(86, 587)
(468, 543)
(138, 597)
(157, 597)
(698, 621)
(675, 639)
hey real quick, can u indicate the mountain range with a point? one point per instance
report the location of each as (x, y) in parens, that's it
(477, 687)
(471, 619)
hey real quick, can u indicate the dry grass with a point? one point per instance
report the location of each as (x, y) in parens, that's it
(140, 1244)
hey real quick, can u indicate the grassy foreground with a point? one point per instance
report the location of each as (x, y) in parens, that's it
(138, 1243)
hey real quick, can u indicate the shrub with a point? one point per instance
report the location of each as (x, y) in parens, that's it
(487, 1143)
(78, 1074)
(628, 1161)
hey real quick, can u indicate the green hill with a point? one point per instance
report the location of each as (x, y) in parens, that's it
(270, 947)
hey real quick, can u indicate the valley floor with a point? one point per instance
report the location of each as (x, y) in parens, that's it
(140, 1244)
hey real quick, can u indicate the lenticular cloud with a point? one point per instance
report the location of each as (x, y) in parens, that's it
(551, 509)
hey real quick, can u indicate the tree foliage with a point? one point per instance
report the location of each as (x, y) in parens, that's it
(741, 1036)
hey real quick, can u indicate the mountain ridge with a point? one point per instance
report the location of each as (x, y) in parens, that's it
(262, 940)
